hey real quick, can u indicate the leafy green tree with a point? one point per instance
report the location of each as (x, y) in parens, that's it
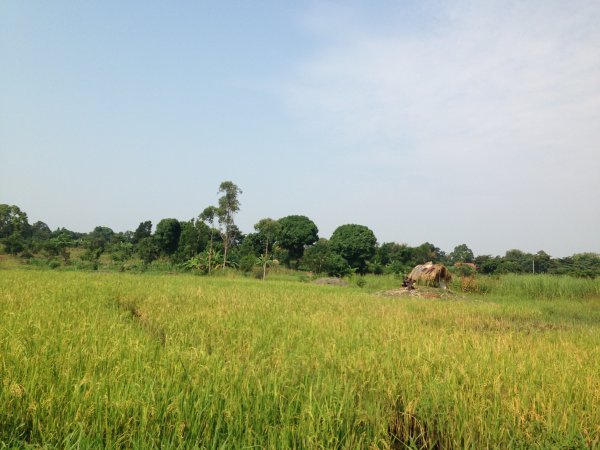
(143, 230)
(268, 229)
(229, 205)
(13, 221)
(121, 252)
(487, 264)
(193, 239)
(14, 244)
(167, 235)
(40, 231)
(297, 232)
(356, 244)
(320, 258)
(542, 262)
(96, 243)
(427, 252)
(57, 246)
(148, 250)
(396, 258)
(208, 216)
(74, 237)
(252, 244)
(316, 255)
(461, 253)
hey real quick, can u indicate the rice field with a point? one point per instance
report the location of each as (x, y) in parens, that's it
(107, 360)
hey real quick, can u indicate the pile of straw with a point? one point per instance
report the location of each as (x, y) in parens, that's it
(431, 274)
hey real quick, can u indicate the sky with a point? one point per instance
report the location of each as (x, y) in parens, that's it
(441, 121)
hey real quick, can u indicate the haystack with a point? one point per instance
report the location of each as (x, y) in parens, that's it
(432, 274)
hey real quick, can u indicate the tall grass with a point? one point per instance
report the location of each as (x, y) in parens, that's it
(540, 286)
(162, 361)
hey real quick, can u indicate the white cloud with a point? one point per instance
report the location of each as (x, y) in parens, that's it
(501, 100)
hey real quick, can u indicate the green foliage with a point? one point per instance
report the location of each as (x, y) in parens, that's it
(461, 253)
(143, 230)
(194, 238)
(248, 262)
(148, 250)
(297, 232)
(57, 246)
(14, 243)
(122, 251)
(229, 205)
(167, 236)
(40, 231)
(355, 243)
(13, 223)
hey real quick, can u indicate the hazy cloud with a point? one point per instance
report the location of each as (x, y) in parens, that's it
(498, 105)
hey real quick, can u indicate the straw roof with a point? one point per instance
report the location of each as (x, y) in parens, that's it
(432, 274)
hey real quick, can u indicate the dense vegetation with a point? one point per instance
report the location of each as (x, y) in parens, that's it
(106, 360)
(212, 241)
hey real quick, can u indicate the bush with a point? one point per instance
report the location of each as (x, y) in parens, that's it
(247, 263)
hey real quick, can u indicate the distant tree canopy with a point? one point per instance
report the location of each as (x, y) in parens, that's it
(297, 232)
(13, 222)
(143, 230)
(167, 236)
(461, 253)
(213, 240)
(356, 244)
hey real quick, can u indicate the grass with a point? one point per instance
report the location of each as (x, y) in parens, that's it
(107, 360)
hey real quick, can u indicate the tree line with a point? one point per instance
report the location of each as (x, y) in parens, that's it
(212, 242)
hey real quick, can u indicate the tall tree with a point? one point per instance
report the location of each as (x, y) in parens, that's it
(143, 230)
(167, 236)
(208, 216)
(355, 243)
(13, 221)
(193, 239)
(229, 205)
(40, 231)
(297, 232)
(461, 253)
(268, 229)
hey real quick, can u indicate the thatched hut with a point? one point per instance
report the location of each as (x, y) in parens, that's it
(432, 274)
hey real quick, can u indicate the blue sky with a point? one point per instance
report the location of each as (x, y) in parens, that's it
(446, 122)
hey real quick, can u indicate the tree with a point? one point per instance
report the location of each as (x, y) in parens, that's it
(268, 229)
(397, 258)
(121, 252)
(192, 240)
(148, 250)
(320, 258)
(96, 243)
(297, 232)
(355, 243)
(40, 231)
(13, 221)
(461, 253)
(208, 216)
(427, 252)
(143, 230)
(229, 205)
(167, 236)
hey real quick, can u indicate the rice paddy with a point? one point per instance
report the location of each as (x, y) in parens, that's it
(107, 360)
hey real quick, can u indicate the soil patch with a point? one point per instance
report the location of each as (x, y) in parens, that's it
(332, 281)
(421, 292)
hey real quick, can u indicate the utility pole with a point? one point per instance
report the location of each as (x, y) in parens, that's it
(533, 264)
